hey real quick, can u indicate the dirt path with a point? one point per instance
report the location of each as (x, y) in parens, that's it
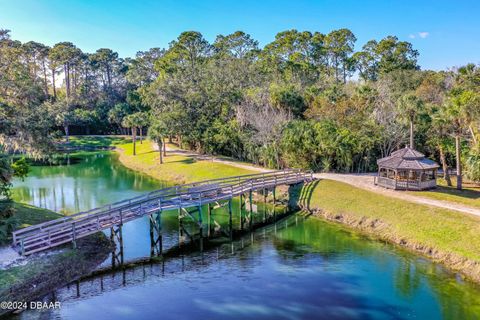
(363, 181)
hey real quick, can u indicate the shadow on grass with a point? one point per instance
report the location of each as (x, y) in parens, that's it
(186, 161)
(466, 193)
(300, 195)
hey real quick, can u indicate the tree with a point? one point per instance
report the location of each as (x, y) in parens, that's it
(63, 115)
(339, 45)
(377, 58)
(118, 113)
(141, 70)
(457, 114)
(104, 61)
(410, 105)
(157, 133)
(67, 55)
(134, 121)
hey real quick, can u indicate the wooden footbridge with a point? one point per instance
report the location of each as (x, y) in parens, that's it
(194, 195)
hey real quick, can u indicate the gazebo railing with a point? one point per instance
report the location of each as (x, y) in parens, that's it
(405, 184)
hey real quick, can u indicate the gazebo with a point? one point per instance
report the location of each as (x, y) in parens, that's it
(406, 169)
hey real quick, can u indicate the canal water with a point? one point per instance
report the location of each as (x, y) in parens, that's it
(298, 268)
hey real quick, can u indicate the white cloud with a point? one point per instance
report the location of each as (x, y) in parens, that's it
(423, 34)
(411, 36)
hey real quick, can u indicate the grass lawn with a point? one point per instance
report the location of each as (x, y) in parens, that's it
(96, 141)
(30, 215)
(176, 168)
(441, 229)
(470, 195)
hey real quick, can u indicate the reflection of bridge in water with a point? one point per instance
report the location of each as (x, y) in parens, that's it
(111, 279)
(190, 201)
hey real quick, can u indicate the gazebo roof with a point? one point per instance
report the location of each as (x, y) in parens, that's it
(407, 159)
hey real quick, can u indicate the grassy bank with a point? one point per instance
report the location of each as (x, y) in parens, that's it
(445, 236)
(176, 168)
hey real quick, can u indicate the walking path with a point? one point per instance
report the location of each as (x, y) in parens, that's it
(363, 181)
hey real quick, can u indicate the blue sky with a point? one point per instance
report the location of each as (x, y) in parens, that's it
(446, 33)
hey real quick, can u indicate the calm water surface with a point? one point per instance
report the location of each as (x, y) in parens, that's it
(297, 269)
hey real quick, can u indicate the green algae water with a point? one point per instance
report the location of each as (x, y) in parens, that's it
(298, 268)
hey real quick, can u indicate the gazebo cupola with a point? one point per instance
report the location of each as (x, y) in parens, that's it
(406, 169)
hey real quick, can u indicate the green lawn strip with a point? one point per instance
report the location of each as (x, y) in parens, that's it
(176, 168)
(470, 195)
(445, 230)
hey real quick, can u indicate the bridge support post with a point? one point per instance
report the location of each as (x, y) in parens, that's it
(230, 224)
(156, 238)
(274, 203)
(250, 219)
(116, 236)
(241, 206)
(265, 193)
(180, 228)
(200, 226)
(209, 220)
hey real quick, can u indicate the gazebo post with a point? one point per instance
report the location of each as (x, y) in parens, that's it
(396, 173)
(408, 177)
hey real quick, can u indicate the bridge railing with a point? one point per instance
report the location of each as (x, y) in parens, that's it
(66, 229)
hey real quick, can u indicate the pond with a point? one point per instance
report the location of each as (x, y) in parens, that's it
(298, 268)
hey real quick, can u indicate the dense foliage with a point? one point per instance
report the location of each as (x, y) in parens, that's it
(306, 99)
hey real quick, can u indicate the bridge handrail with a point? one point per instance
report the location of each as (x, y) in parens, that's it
(161, 194)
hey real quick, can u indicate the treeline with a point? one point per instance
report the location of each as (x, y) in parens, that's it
(304, 100)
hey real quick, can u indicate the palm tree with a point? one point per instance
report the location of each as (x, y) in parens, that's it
(142, 118)
(133, 121)
(410, 105)
(157, 133)
(457, 113)
(439, 138)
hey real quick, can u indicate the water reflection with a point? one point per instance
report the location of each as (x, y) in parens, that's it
(97, 180)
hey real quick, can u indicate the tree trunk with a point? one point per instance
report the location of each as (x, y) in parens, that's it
(45, 81)
(474, 137)
(164, 148)
(141, 135)
(459, 164)
(66, 71)
(159, 144)
(411, 135)
(67, 137)
(134, 138)
(443, 160)
(53, 83)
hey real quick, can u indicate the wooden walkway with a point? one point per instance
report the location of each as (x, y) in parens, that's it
(68, 229)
